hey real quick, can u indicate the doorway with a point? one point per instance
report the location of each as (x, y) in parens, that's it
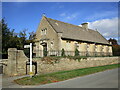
(45, 50)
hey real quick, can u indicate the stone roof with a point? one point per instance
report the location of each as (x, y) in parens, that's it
(75, 32)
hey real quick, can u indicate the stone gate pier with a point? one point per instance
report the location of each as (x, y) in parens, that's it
(16, 62)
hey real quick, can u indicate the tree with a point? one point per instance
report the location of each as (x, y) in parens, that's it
(116, 50)
(22, 38)
(10, 39)
(6, 34)
(32, 37)
(115, 47)
(113, 41)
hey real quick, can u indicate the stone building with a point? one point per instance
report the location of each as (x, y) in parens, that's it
(52, 36)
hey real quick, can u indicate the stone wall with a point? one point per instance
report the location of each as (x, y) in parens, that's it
(70, 64)
(16, 63)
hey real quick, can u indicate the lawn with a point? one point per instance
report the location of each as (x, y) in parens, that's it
(62, 75)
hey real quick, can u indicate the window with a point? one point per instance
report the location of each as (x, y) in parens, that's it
(52, 44)
(44, 31)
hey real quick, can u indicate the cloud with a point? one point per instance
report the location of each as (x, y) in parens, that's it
(63, 14)
(107, 27)
(68, 16)
(102, 15)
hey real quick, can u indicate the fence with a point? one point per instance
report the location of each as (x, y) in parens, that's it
(116, 53)
(71, 53)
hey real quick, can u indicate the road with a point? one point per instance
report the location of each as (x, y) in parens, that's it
(106, 79)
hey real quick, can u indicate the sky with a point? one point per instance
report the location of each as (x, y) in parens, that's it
(101, 16)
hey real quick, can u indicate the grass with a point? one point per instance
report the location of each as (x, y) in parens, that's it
(63, 75)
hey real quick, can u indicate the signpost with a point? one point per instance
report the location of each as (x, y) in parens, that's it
(30, 46)
(31, 73)
(26, 46)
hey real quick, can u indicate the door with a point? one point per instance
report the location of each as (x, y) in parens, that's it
(45, 50)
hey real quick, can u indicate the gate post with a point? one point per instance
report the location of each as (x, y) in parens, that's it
(12, 62)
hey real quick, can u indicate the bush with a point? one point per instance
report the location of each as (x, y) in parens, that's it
(27, 52)
(63, 52)
(76, 52)
(45, 52)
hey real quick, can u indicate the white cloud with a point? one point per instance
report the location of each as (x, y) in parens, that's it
(68, 16)
(63, 14)
(101, 15)
(107, 27)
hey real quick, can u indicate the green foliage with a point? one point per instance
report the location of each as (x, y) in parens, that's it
(32, 37)
(45, 52)
(62, 52)
(63, 75)
(10, 39)
(116, 50)
(27, 52)
(76, 52)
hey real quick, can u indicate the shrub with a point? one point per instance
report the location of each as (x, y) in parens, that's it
(76, 52)
(63, 52)
(45, 52)
(27, 52)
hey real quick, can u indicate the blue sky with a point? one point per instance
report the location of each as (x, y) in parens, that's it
(27, 15)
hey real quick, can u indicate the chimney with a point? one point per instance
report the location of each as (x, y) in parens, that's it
(85, 26)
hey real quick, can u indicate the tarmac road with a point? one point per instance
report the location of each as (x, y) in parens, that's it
(106, 79)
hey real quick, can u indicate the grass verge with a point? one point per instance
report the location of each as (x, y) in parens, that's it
(62, 75)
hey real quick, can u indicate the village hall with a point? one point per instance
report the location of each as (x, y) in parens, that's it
(53, 37)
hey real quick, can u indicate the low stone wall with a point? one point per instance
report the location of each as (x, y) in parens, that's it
(16, 63)
(70, 64)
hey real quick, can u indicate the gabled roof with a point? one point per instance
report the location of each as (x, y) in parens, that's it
(75, 32)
